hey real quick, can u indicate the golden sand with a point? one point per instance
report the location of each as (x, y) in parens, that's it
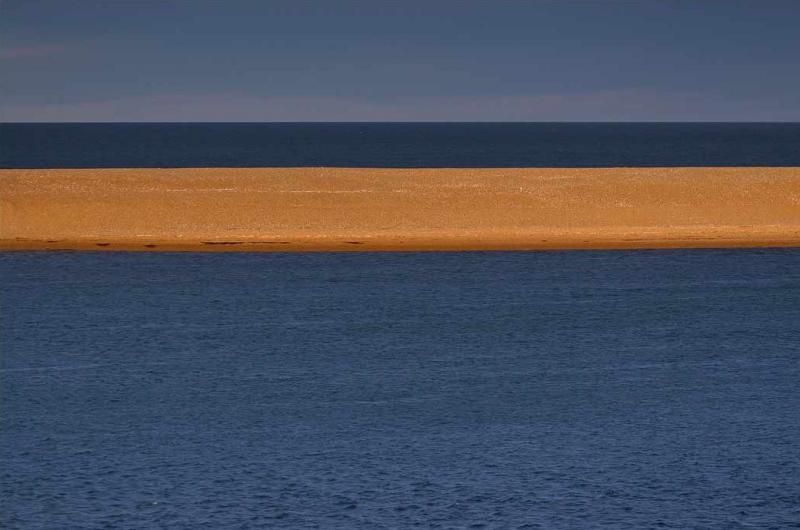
(294, 209)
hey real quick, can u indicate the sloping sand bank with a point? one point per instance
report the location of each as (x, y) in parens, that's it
(298, 209)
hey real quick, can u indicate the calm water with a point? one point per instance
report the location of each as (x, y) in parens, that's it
(400, 145)
(532, 390)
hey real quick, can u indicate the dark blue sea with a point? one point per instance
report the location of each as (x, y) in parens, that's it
(622, 390)
(398, 144)
(434, 390)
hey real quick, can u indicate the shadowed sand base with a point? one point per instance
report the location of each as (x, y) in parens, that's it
(344, 209)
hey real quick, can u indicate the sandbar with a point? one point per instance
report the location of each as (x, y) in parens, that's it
(380, 209)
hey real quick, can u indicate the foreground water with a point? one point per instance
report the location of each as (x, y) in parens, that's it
(76, 145)
(575, 389)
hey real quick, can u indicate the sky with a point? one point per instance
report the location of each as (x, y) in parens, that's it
(415, 60)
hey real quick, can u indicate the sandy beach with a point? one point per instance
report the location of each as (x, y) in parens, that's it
(345, 209)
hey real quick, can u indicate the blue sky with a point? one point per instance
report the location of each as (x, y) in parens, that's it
(202, 60)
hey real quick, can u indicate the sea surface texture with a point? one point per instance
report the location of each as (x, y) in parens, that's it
(478, 390)
(398, 144)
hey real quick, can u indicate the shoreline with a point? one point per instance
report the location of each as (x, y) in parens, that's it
(378, 209)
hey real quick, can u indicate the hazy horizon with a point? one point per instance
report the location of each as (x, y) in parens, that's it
(355, 122)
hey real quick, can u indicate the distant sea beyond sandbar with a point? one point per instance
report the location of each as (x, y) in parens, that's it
(347, 209)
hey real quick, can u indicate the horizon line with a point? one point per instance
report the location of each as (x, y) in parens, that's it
(357, 122)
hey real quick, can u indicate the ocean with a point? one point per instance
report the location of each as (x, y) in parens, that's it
(398, 144)
(583, 389)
